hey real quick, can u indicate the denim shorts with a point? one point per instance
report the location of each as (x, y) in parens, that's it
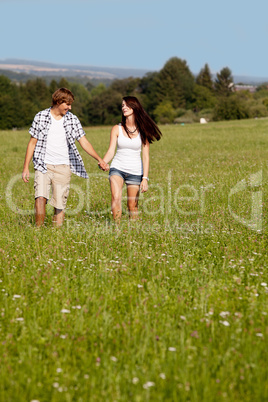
(127, 177)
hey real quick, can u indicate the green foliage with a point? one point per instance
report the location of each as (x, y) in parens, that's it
(163, 94)
(231, 108)
(224, 82)
(202, 98)
(265, 102)
(127, 86)
(105, 108)
(204, 78)
(175, 83)
(149, 90)
(188, 117)
(164, 113)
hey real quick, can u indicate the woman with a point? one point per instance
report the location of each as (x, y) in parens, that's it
(135, 133)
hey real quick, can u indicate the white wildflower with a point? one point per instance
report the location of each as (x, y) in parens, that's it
(140, 286)
(20, 319)
(162, 375)
(64, 310)
(148, 384)
(113, 358)
(259, 334)
(171, 349)
(135, 380)
(263, 284)
(225, 323)
(224, 314)
(182, 317)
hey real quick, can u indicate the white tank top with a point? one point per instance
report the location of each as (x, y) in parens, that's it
(128, 154)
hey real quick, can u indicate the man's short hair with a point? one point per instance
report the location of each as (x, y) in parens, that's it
(62, 95)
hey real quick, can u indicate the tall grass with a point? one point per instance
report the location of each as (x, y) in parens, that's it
(172, 307)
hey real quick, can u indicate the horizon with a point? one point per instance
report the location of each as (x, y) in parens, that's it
(100, 71)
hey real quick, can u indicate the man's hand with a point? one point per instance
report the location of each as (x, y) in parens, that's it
(103, 165)
(25, 175)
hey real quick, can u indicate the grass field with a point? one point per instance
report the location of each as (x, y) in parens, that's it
(170, 308)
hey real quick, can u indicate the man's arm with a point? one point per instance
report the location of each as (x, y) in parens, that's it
(88, 148)
(28, 158)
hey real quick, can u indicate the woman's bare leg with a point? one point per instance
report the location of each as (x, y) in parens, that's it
(132, 200)
(116, 183)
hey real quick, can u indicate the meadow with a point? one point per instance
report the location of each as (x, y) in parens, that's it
(172, 307)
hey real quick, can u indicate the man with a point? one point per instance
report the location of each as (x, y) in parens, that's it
(55, 156)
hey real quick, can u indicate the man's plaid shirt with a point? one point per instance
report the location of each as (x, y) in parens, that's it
(73, 130)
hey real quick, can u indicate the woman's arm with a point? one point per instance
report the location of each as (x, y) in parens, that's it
(85, 144)
(113, 141)
(145, 161)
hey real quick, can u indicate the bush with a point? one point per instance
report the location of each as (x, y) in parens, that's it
(258, 110)
(164, 113)
(188, 117)
(231, 108)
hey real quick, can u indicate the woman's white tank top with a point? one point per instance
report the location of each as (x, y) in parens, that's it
(128, 154)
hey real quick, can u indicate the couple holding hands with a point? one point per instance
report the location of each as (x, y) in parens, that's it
(55, 155)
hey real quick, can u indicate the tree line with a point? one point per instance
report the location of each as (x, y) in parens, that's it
(172, 95)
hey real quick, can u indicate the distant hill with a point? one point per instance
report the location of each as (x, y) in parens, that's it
(23, 70)
(35, 68)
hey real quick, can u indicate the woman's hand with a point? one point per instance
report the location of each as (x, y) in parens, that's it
(144, 185)
(103, 166)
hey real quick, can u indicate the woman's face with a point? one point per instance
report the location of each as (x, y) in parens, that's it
(126, 110)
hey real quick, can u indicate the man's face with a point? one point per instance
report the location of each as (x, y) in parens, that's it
(63, 108)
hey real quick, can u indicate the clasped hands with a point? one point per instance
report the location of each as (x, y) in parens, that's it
(103, 166)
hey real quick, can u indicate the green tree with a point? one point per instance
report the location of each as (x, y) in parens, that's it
(231, 108)
(204, 78)
(63, 83)
(53, 86)
(82, 97)
(164, 113)
(202, 98)
(224, 82)
(148, 90)
(36, 91)
(127, 86)
(175, 83)
(104, 108)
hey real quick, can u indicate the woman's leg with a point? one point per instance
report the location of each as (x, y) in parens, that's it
(116, 183)
(132, 200)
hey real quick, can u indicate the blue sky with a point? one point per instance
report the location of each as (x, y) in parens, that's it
(138, 34)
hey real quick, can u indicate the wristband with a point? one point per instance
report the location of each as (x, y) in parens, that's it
(147, 178)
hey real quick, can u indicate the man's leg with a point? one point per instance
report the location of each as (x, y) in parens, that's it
(40, 210)
(60, 191)
(58, 217)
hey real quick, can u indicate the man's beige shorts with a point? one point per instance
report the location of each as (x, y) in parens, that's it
(58, 178)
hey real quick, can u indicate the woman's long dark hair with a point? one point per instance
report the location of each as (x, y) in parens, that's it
(146, 126)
